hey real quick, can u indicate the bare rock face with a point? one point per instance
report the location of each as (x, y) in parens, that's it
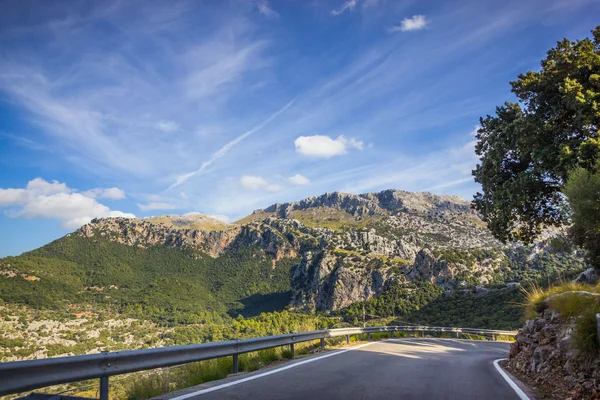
(590, 275)
(142, 232)
(321, 282)
(384, 202)
(543, 355)
(370, 241)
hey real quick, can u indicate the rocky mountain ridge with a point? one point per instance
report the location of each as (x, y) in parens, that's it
(385, 202)
(350, 246)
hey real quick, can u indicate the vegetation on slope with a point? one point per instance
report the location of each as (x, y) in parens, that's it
(164, 284)
(576, 303)
(426, 304)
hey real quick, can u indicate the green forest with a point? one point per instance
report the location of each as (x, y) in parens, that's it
(164, 284)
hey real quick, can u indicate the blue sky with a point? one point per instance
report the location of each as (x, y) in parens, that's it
(221, 107)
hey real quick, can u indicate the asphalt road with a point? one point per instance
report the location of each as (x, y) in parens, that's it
(398, 369)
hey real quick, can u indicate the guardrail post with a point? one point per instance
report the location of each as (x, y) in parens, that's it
(322, 343)
(292, 349)
(457, 335)
(392, 333)
(369, 336)
(236, 363)
(104, 388)
(347, 339)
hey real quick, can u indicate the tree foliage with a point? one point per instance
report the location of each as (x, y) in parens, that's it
(528, 148)
(583, 192)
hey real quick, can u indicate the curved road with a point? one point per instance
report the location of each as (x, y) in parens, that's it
(400, 368)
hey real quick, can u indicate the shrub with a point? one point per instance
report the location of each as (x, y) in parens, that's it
(585, 334)
(571, 304)
(535, 297)
(148, 386)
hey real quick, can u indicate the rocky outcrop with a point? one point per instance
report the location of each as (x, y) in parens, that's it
(273, 238)
(142, 232)
(385, 202)
(544, 355)
(438, 272)
(590, 275)
(329, 280)
(322, 282)
(371, 242)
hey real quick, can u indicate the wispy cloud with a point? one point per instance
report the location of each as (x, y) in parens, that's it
(167, 126)
(414, 23)
(152, 206)
(299, 179)
(159, 103)
(264, 9)
(258, 183)
(225, 149)
(216, 65)
(106, 110)
(109, 193)
(347, 6)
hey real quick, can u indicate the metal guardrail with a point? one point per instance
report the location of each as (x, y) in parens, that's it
(21, 376)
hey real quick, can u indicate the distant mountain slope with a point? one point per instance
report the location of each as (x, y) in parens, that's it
(322, 253)
(164, 282)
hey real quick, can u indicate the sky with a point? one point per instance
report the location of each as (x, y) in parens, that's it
(138, 108)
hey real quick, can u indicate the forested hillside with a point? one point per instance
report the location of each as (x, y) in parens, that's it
(161, 283)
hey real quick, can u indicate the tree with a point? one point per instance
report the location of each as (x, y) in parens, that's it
(583, 192)
(528, 148)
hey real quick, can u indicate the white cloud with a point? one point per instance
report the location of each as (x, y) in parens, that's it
(12, 196)
(299, 179)
(264, 9)
(113, 193)
(43, 199)
(258, 183)
(347, 6)
(414, 23)
(167, 126)
(325, 147)
(40, 186)
(158, 206)
(109, 193)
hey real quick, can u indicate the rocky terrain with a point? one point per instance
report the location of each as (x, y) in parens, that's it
(548, 356)
(350, 246)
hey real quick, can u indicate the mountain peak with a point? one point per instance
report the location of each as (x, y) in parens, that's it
(193, 221)
(374, 203)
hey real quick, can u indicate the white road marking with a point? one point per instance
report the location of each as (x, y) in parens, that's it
(507, 378)
(271, 372)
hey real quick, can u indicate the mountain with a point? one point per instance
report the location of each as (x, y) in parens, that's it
(395, 252)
